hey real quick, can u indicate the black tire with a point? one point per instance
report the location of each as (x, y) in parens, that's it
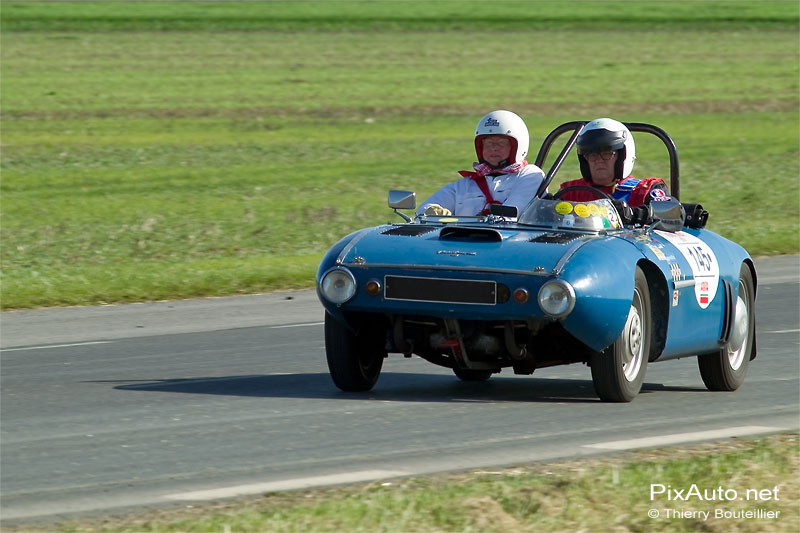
(354, 359)
(726, 369)
(618, 371)
(469, 374)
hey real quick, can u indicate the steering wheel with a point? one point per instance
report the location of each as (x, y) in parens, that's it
(598, 192)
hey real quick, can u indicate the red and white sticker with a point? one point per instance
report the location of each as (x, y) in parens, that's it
(703, 262)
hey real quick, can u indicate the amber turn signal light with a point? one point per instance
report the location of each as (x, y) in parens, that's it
(521, 295)
(373, 287)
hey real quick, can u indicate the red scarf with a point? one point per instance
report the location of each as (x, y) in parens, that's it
(479, 177)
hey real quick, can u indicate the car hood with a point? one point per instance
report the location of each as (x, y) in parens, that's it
(461, 247)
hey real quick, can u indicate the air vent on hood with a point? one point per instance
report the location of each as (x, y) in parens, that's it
(409, 231)
(556, 238)
(455, 233)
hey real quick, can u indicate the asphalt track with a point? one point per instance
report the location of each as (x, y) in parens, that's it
(150, 405)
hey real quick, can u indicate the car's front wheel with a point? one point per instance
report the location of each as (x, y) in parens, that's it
(725, 370)
(618, 371)
(355, 359)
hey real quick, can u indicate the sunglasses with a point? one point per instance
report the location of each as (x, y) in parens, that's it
(605, 155)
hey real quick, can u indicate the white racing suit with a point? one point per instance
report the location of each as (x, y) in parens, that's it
(464, 196)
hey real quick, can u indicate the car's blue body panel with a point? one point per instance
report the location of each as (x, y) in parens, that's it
(428, 249)
(601, 272)
(372, 254)
(692, 329)
(600, 267)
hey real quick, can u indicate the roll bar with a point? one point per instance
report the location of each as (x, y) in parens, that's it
(575, 128)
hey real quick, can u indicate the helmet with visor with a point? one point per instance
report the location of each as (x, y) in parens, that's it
(604, 136)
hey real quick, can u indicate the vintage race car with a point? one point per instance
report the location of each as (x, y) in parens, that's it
(562, 282)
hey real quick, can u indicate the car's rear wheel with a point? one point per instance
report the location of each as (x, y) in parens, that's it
(618, 371)
(354, 359)
(469, 374)
(725, 370)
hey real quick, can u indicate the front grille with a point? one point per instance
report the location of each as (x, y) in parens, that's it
(441, 290)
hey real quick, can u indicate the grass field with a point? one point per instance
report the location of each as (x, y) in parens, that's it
(165, 150)
(601, 494)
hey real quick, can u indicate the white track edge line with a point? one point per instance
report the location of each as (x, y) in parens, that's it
(678, 438)
(286, 484)
(45, 347)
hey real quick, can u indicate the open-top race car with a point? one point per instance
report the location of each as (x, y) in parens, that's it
(561, 282)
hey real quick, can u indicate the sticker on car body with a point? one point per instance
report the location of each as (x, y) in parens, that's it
(703, 262)
(657, 251)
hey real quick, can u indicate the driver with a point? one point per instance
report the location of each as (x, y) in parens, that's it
(501, 175)
(606, 153)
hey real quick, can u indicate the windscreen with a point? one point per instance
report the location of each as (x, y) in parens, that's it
(597, 215)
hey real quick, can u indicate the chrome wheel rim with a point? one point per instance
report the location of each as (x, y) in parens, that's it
(632, 340)
(737, 345)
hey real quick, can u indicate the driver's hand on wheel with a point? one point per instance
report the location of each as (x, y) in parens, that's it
(438, 211)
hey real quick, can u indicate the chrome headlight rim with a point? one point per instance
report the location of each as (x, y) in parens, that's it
(566, 289)
(327, 291)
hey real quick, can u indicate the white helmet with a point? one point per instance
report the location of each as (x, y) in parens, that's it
(605, 133)
(506, 123)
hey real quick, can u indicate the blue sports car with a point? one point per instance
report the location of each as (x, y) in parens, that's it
(561, 282)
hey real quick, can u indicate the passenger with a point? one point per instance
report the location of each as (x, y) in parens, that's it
(501, 175)
(606, 153)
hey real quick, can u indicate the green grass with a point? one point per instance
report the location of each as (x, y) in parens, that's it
(398, 15)
(168, 150)
(605, 494)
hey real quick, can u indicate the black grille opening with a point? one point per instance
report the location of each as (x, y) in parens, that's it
(441, 290)
(556, 238)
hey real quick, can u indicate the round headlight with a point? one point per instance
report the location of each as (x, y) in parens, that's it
(557, 298)
(338, 285)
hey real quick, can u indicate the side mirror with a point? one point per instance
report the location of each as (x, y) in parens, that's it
(402, 199)
(668, 214)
